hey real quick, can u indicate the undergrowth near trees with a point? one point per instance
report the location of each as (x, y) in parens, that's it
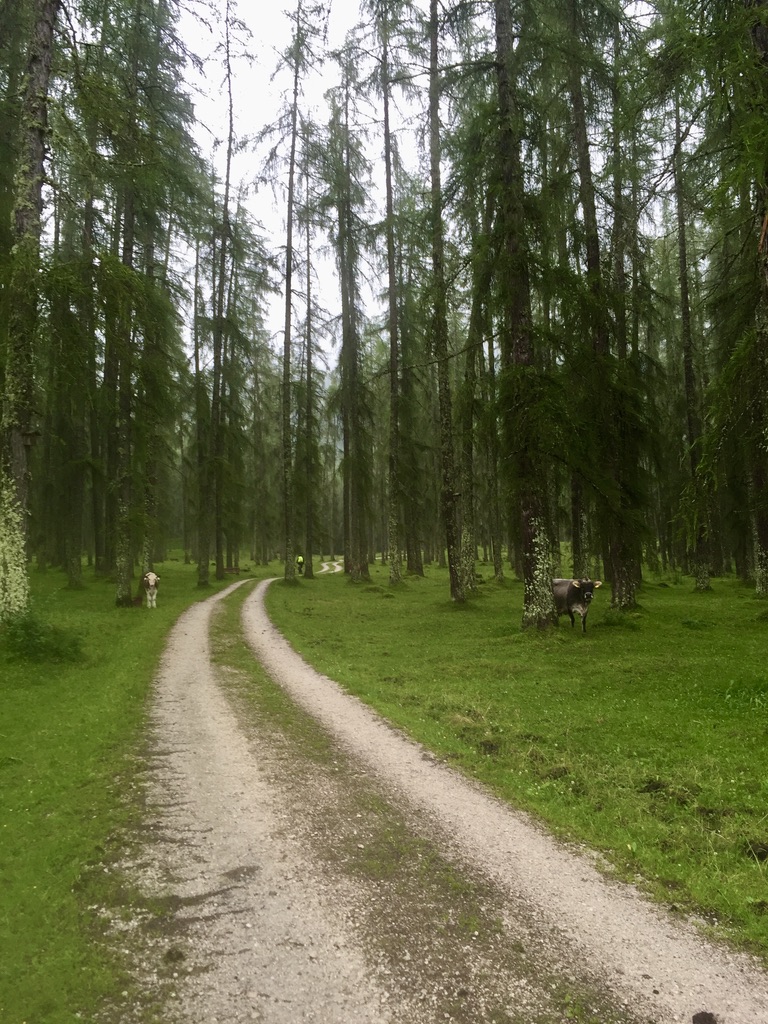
(646, 739)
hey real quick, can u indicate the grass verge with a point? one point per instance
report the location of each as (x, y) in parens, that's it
(74, 681)
(645, 739)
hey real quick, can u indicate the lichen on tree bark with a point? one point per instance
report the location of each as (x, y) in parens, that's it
(14, 578)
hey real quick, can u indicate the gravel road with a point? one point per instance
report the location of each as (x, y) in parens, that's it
(369, 882)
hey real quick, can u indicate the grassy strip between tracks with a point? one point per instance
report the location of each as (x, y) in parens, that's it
(646, 739)
(436, 936)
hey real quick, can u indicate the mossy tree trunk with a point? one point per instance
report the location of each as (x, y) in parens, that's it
(18, 426)
(521, 390)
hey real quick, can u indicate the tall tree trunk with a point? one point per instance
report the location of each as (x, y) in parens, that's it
(73, 340)
(758, 456)
(697, 513)
(219, 299)
(125, 339)
(150, 427)
(477, 331)
(448, 497)
(620, 226)
(355, 466)
(287, 446)
(467, 433)
(614, 515)
(517, 340)
(579, 544)
(17, 429)
(124, 482)
(95, 454)
(493, 459)
(309, 414)
(202, 442)
(394, 499)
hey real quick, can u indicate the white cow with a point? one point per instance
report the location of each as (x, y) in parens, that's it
(151, 581)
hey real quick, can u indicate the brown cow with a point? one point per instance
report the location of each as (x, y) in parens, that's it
(574, 596)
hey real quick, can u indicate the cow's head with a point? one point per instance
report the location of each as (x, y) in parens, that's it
(151, 579)
(587, 588)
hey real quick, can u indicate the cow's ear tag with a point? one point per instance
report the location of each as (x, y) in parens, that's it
(598, 583)
(576, 584)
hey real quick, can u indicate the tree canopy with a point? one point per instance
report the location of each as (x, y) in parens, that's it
(520, 253)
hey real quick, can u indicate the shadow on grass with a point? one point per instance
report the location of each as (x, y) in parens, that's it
(27, 638)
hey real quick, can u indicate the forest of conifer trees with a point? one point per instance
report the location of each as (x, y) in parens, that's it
(545, 341)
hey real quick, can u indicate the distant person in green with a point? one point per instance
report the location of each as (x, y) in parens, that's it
(300, 564)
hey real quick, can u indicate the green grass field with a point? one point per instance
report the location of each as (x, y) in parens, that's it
(646, 739)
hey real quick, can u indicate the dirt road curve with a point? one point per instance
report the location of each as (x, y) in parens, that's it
(341, 891)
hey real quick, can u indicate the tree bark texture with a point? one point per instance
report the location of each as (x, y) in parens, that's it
(18, 410)
(759, 458)
(394, 497)
(448, 497)
(355, 470)
(699, 551)
(517, 348)
(17, 423)
(616, 513)
(287, 443)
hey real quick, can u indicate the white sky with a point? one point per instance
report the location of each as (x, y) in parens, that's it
(257, 96)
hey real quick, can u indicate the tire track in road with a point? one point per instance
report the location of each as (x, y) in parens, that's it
(329, 567)
(270, 942)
